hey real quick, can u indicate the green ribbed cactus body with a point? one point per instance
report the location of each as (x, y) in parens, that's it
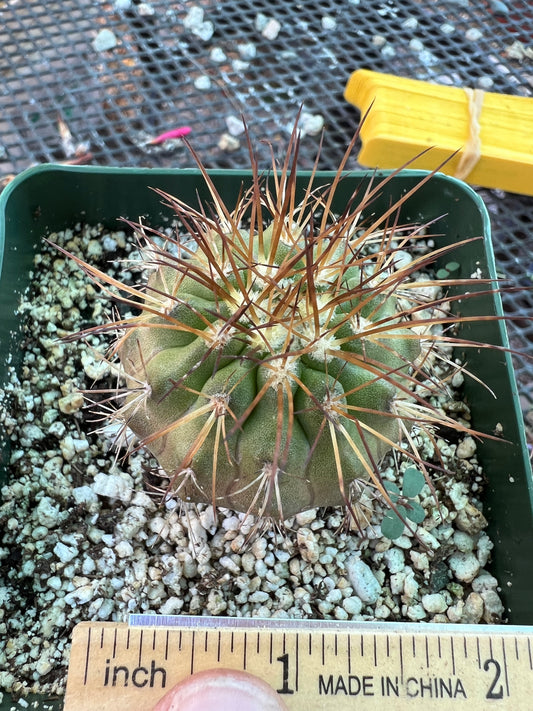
(269, 382)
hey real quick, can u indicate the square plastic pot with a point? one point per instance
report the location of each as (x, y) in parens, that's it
(51, 198)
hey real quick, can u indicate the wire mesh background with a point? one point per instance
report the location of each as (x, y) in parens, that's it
(116, 74)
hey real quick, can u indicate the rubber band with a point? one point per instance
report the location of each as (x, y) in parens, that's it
(472, 150)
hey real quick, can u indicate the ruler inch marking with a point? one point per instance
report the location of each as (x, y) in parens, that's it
(453, 655)
(401, 659)
(244, 652)
(297, 674)
(193, 640)
(140, 647)
(506, 671)
(87, 657)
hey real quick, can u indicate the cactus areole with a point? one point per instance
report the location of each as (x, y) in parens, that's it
(274, 355)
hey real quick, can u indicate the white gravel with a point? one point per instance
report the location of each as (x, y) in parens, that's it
(81, 539)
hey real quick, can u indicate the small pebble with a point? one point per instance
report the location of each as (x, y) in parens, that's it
(48, 512)
(394, 559)
(434, 603)
(194, 21)
(411, 23)
(484, 581)
(80, 596)
(247, 50)
(499, 7)
(466, 448)
(363, 580)
(463, 542)
(217, 55)
(308, 545)
(473, 34)
(239, 66)
(416, 45)
(310, 124)
(271, 29)
(109, 243)
(235, 125)
(473, 609)
(388, 51)
(402, 259)
(32, 433)
(260, 21)
(353, 605)
(328, 22)
(228, 143)
(104, 40)
(464, 566)
(306, 517)
(493, 607)
(65, 553)
(145, 9)
(202, 83)
(470, 520)
(113, 486)
(71, 403)
(485, 83)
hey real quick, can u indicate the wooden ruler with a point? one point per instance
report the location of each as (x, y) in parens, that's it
(313, 665)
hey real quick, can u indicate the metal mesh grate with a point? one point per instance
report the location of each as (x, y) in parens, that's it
(205, 63)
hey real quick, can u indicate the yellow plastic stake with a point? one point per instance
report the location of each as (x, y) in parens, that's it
(492, 132)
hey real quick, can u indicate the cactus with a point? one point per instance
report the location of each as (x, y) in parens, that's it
(274, 358)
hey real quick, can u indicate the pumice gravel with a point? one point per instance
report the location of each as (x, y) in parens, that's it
(82, 538)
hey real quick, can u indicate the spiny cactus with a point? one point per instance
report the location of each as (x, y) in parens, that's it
(274, 356)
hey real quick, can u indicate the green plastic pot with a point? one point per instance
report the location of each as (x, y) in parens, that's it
(50, 198)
